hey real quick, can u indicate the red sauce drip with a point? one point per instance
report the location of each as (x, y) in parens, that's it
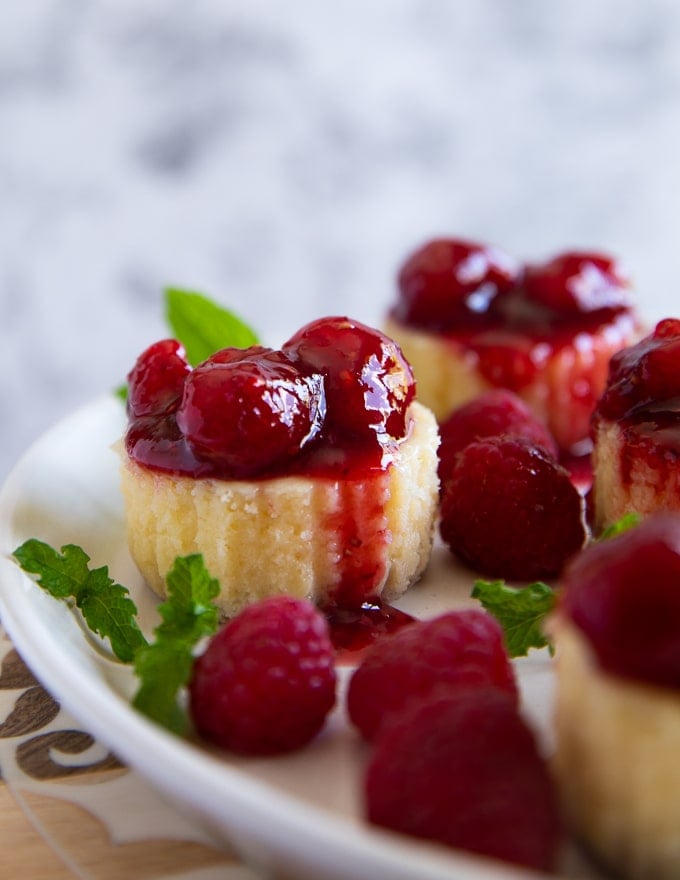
(353, 630)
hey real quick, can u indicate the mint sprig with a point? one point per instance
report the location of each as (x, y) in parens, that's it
(202, 326)
(521, 612)
(105, 605)
(627, 521)
(164, 667)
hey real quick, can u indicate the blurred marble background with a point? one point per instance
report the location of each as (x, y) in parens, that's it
(284, 158)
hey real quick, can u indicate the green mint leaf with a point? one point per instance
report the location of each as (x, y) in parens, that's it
(627, 521)
(202, 326)
(521, 611)
(164, 667)
(104, 604)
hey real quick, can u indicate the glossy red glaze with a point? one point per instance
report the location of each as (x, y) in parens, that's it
(643, 397)
(156, 381)
(331, 405)
(449, 282)
(354, 629)
(369, 384)
(248, 412)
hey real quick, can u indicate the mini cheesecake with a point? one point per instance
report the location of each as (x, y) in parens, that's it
(617, 708)
(469, 318)
(310, 471)
(636, 430)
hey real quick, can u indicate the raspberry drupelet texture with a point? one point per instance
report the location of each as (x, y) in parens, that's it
(510, 510)
(266, 681)
(456, 650)
(493, 413)
(463, 769)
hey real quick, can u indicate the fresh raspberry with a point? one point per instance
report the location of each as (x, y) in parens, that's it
(156, 381)
(578, 282)
(450, 282)
(494, 412)
(510, 510)
(624, 594)
(463, 769)
(369, 383)
(248, 410)
(266, 681)
(458, 649)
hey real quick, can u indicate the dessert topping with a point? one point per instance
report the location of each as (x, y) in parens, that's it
(369, 383)
(450, 281)
(247, 409)
(645, 375)
(577, 282)
(244, 413)
(455, 285)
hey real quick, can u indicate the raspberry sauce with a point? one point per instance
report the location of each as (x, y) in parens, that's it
(332, 404)
(353, 629)
(643, 397)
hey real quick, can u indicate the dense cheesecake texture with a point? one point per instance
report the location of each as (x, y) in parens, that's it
(617, 709)
(309, 471)
(335, 541)
(636, 430)
(470, 318)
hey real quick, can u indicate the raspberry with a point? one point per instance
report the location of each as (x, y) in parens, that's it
(458, 649)
(266, 681)
(369, 383)
(156, 381)
(623, 594)
(247, 410)
(463, 769)
(509, 510)
(577, 282)
(492, 413)
(645, 373)
(449, 282)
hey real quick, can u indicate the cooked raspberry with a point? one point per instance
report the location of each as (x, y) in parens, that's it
(450, 282)
(624, 594)
(266, 681)
(578, 282)
(647, 373)
(510, 510)
(458, 649)
(248, 410)
(463, 769)
(156, 381)
(494, 412)
(369, 383)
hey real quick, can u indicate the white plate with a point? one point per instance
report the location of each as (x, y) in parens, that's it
(298, 815)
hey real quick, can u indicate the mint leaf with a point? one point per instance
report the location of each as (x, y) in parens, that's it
(202, 326)
(105, 605)
(627, 521)
(520, 611)
(164, 666)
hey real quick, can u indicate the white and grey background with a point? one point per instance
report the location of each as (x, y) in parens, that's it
(285, 157)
